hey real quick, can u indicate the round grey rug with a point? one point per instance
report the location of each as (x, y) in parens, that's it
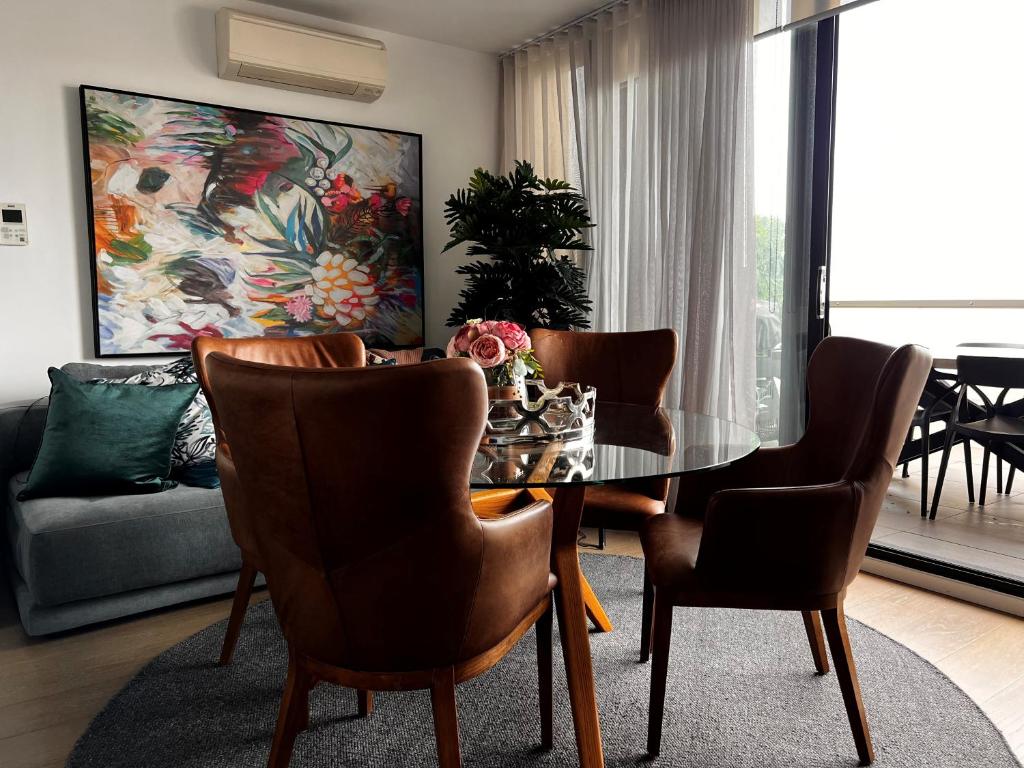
(742, 692)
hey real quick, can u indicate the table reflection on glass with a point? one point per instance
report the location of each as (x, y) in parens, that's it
(630, 442)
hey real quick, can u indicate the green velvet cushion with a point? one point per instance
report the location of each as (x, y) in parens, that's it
(106, 439)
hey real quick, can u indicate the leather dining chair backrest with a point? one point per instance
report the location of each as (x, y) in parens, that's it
(842, 377)
(372, 551)
(331, 350)
(631, 367)
(328, 350)
(893, 404)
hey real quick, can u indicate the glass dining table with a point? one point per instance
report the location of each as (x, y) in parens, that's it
(629, 442)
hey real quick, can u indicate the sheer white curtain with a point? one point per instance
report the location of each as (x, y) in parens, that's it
(648, 109)
(544, 107)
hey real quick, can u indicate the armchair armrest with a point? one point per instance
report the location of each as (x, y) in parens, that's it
(767, 467)
(792, 540)
(518, 545)
(515, 574)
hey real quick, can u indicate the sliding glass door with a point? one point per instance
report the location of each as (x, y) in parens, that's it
(794, 88)
(925, 239)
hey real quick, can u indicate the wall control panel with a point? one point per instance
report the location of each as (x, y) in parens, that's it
(13, 224)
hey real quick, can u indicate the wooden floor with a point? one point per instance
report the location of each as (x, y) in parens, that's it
(989, 538)
(51, 688)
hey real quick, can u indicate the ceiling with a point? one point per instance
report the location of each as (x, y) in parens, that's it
(492, 26)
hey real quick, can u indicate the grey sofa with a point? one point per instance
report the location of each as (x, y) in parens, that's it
(78, 561)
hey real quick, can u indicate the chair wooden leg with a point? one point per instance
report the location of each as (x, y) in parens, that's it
(846, 672)
(302, 716)
(984, 477)
(446, 718)
(365, 702)
(969, 463)
(946, 448)
(659, 673)
(1009, 479)
(602, 538)
(293, 717)
(646, 619)
(812, 624)
(544, 678)
(999, 475)
(246, 580)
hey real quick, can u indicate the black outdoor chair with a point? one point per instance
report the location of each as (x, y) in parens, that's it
(1001, 425)
(999, 461)
(936, 406)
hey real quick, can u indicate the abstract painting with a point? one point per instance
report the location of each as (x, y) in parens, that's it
(214, 221)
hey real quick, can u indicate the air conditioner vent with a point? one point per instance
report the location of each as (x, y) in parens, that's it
(281, 55)
(297, 79)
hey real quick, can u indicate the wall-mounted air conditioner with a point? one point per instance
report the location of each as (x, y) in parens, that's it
(281, 55)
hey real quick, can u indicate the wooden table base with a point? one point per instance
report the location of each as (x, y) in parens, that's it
(595, 611)
(572, 624)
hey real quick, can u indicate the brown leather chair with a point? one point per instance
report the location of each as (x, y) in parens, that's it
(334, 350)
(791, 532)
(381, 576)
(633, 368)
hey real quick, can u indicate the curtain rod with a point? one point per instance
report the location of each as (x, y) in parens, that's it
(780, 26)
(803, 21)
(568, 25)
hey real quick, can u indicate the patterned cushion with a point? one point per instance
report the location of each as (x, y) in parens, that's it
(403, 356)
(195, 442)
(372, 358)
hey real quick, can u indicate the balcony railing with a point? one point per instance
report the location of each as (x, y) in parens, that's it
(940, 324)
(929, 304)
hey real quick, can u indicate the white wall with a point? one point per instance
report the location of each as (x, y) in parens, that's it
(167, 47)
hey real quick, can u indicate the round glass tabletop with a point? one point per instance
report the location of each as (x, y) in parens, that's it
(630, 442)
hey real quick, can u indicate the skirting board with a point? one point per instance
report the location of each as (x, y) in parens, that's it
(962, 591)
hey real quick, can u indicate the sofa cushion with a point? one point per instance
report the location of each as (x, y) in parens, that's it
(78, 548)
(403, 356)
(195, 444)
(22, 424)
(107, 438)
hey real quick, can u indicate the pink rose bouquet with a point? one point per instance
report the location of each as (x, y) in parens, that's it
(502, 348)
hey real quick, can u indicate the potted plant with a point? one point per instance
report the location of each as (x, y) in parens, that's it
(523, 225)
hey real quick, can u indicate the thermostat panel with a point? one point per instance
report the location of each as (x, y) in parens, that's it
(13, 224)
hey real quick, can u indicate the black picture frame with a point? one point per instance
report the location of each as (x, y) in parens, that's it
(83, 89)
